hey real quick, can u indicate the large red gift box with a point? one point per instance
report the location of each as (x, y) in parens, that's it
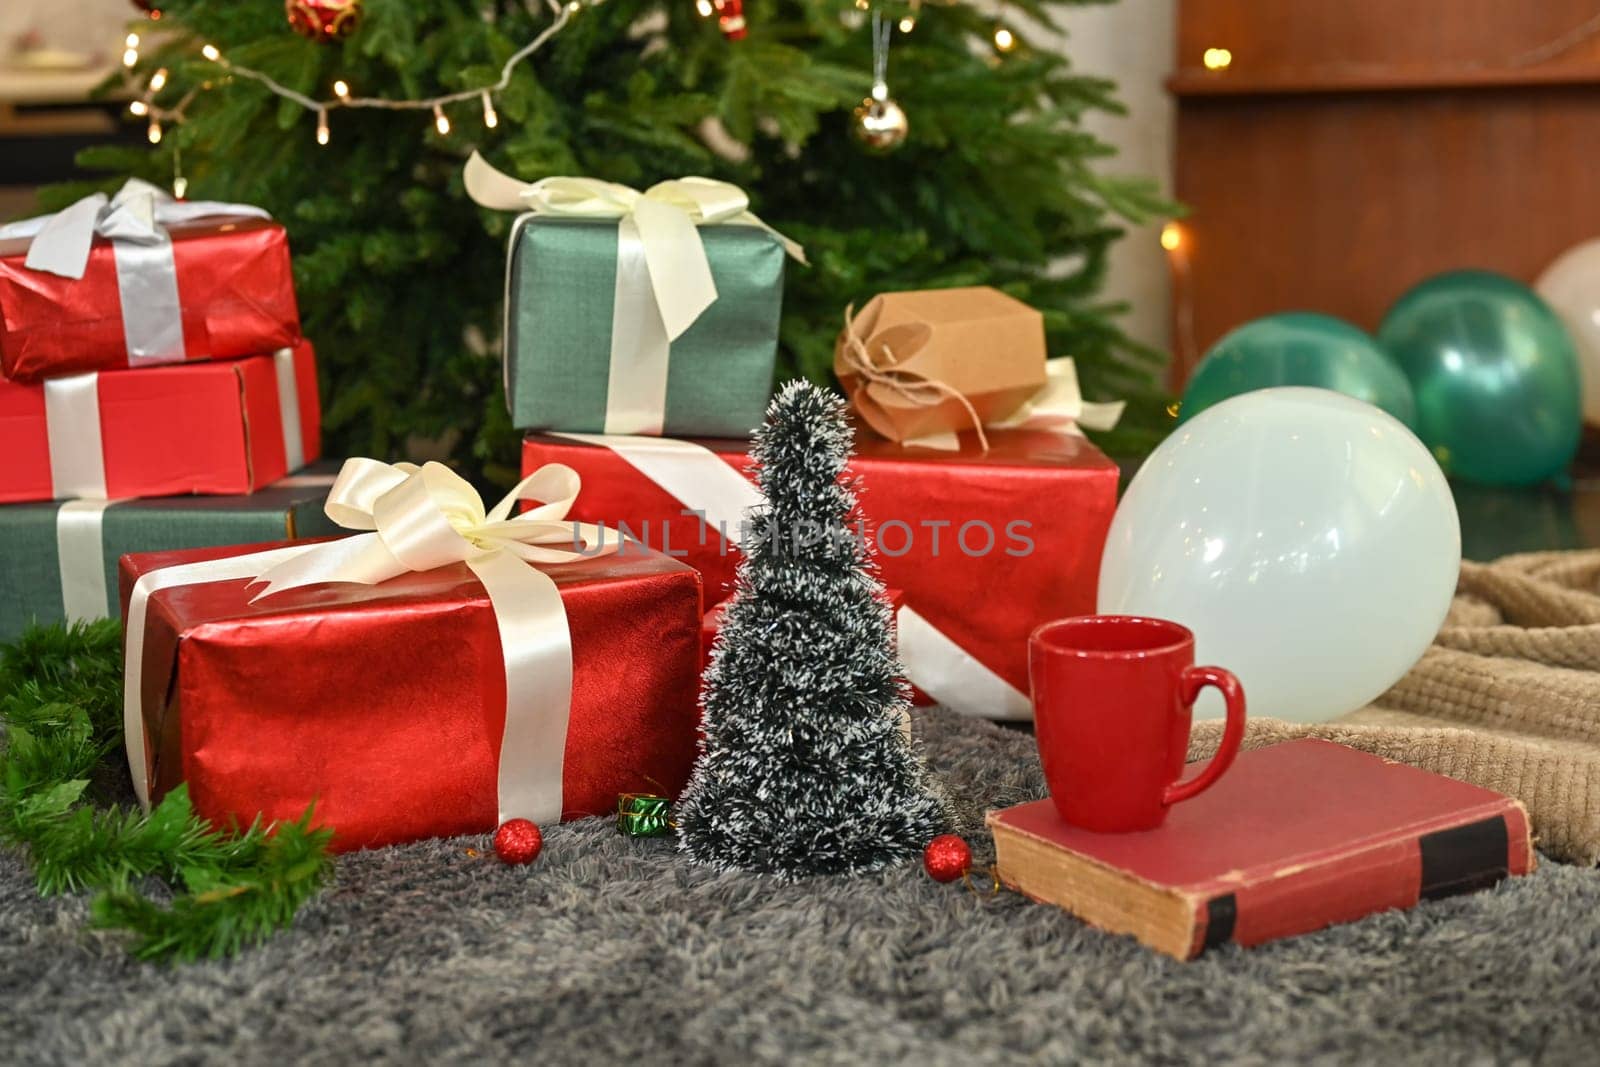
(235, 299)
(985, 546)
(215, 428)
(385, 704)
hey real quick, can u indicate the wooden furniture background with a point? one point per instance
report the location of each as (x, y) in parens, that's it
(1354, 148)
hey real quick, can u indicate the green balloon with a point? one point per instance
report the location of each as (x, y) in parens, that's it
(1495, 376)
(1299, 348)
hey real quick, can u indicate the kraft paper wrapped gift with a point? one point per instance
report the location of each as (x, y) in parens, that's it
(428, 703)
(214, 428)
(937, 361)
(141, 279)
(60, 558)
(639, 313)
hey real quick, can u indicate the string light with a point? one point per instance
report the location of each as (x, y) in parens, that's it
(130, 54)
(704, 8)
(440, 123)
(908, 24)
(322, 126)
(139, 107)
(1004, 39)
(1171, 236)
(490, 119)
(158, 81)
(154, 131)
(1217, 59)
(211, 52)
(341, 89)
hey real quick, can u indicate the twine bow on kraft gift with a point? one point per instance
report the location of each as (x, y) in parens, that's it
(135, 221)
(417, 519)
(1058, 406)
(663, 278)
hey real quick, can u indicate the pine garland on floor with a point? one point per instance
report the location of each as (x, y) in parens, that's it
(61, 715)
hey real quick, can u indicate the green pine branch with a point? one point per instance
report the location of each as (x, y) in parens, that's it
(61, 715)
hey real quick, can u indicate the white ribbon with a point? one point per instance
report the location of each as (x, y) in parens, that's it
(1058, 407)
(135, 221)
(663, 280)
(702, 481)
(72, 435)
(420, 518)
(294, 449)
(81, 557)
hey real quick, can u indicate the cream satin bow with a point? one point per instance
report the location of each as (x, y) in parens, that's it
(138, 214)
(429, 516)
(667, 216)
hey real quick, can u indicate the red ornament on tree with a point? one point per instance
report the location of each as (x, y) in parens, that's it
(730, 18)
(947, 858)
(323, 20)
(517, 842)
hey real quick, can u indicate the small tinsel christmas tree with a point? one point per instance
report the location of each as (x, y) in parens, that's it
(804, 768)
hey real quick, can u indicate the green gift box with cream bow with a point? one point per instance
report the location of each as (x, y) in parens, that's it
(637, 313)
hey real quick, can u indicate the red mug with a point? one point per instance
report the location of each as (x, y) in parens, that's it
(1112, 702)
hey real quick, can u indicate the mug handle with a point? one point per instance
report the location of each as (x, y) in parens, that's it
(1190, 683)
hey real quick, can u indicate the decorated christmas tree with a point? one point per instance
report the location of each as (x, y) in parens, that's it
(400, 277)
(805, 767)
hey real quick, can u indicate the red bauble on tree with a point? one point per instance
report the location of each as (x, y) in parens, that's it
(730, 18)
(323, 20)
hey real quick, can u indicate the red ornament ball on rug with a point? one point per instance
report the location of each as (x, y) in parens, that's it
(517, 842)
(323, 20)
(947, 858)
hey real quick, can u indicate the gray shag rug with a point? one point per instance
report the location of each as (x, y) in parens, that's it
(610, 950)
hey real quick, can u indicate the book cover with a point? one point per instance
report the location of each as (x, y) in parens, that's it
(1295, 837)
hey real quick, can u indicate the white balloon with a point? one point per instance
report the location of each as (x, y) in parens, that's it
(1308, 539)
(1571, 285)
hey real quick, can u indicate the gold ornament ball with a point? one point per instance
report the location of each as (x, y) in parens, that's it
(881, 125)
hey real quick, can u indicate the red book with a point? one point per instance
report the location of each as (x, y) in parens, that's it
(1295, 837)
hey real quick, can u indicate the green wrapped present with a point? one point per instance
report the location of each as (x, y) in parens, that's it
(60, 558)
(637, 313)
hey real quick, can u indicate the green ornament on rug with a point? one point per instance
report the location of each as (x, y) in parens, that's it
(804, 768)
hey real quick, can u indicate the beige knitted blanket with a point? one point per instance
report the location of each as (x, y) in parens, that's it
(1508, 697)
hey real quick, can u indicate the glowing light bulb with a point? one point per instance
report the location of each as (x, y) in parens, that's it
(154, 131)
(130, 57)
(490, 119)
(158, 81)
(139, 107)
(322, 125)
(211, 52)
(704, 8)
(440, 122)
(1171, 236)
(1217, 58)
(908, 24)
(573, 6)
(180, 185)
(862, 5)
(131, 41)
(341, 89)
(1004, 39)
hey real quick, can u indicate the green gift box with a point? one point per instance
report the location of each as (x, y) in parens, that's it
(637, 313)
(561, 319)
(60, 558)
